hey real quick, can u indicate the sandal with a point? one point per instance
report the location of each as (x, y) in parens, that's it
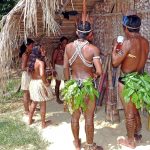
(92, 147)
(77, 144)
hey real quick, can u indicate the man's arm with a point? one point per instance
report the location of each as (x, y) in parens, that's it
(24, 63)
(97, 62)
(119, 56)
(54, 57)
(66, 65)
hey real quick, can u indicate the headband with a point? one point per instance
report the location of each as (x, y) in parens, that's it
(84, 31)
(124, 22)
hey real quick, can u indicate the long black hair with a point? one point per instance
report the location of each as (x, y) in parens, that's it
(36, 54)
(24, 46)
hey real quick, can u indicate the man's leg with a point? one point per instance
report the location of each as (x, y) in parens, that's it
(75, 128)
(26, 101)
(137, 134)
(57, 91)
(129, 109)
(89, 126)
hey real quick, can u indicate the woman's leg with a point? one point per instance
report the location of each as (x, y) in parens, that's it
(32, 109)
(26, 101)
(43, 113)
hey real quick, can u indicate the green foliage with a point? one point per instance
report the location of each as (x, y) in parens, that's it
(6, 6)
(75, 94)
(16, 135)
(11, 93)
(137, 88)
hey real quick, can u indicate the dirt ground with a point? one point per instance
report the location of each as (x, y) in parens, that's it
(60, 137)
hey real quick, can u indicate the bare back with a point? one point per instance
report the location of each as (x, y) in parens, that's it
(39, 70)
(139, 51)
(79, 69)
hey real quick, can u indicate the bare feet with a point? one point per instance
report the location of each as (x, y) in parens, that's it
(31, 121)
(26, 113)
(127, 143)
(46, 123)
(59, 101)
(77, 144)
(92, 147)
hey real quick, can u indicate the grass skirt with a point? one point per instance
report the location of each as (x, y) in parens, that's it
(25, 80)
(39, 92)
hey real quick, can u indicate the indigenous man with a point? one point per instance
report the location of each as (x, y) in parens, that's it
(82, 56)
(57, 64)
(39, 86)
(24, 53)
(132, 56)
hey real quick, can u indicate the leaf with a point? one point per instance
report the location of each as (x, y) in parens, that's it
(131, 91)
(135, 98)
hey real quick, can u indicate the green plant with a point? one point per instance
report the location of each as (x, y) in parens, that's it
(11, 93)
(75, 92)
(16, 135)
(137, 88)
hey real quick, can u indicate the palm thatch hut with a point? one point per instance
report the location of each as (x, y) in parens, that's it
(49, 20)
(38, 19)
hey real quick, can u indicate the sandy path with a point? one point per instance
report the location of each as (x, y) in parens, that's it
(60, 136)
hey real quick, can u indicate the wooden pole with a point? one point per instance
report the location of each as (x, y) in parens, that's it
(112, 114)
(148, 121)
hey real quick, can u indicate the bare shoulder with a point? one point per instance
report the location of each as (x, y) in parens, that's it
(94, 48)
(40, 63)
(145, 40)
(127, 44)
(68, 46)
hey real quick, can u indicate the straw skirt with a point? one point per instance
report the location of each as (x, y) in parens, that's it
(25, 80)
(39, 92)
(60, 72)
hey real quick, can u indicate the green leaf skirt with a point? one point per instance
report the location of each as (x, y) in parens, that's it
(137, 89)
(76, 91)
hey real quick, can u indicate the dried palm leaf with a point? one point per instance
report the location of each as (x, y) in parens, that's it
(10, 30)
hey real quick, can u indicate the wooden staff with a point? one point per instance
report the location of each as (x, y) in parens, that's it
(108, 103)
(112, 113)
(149, 121)
(102, 81)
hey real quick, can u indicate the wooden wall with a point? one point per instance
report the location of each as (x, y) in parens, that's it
(108, 25)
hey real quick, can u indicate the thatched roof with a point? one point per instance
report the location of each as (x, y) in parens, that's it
(25, 10)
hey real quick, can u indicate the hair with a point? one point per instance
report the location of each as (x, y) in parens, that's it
(83, 27)
(63, 38)
(132, 23)
(36, 54)
(24, 46)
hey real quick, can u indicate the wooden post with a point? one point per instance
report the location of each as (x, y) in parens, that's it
(112, 114)
(148, 122)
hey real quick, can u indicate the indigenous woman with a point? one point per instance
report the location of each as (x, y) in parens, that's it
(24, 53)
(39, 87)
